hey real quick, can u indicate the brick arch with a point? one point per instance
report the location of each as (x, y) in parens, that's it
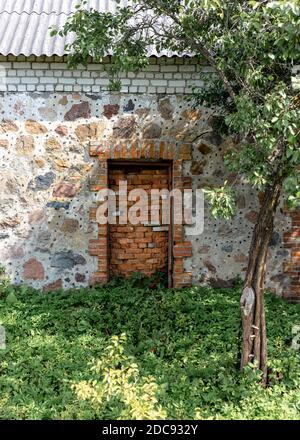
(158, 150)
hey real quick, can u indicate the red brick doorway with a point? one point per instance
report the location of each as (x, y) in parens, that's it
(142, 247)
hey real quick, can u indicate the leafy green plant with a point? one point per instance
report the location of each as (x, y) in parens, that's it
(121, 381)
(180, 352)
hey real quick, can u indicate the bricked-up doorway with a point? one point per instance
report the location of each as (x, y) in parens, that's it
(141, 247)
(150, 151)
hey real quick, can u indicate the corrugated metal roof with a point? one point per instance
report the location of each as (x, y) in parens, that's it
(24, 25)
(55, 6)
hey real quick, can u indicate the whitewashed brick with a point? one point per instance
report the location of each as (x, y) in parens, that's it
(48, 80)
(169, 68)
(39, 73)
(159, 82)
(59, 66)
(28, 80)
(101, 81)
(176, 83)
(151, 68)
(21, 72)
(30, 88)
(141, 82)
(187, 68)
(6, 65)
(95, 67)
(86, 74)
(13, 80)
(40, 66)
(22, 65)
(85, 81)
(66, 80)
(126, 82)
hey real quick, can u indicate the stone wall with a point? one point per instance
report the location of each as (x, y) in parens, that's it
(47, 174)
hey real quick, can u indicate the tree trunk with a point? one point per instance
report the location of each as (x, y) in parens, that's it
(254, 344)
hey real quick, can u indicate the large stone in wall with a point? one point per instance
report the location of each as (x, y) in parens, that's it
(62, 130)
(52, 287)
(48, 113)
(60, 161)
(42, 182)
(36, 216)
(16, 251)
(9, 221)
(89, 131)
(110, 110)
(34, 127)
(7, 125)
(69, 225)
(4, 143)
(129, 106)
(25, 145)
(181, 130)
(43, 241)
(56, 204)
(252, 216)
(152, 131)
(212, 138)
(124, 128)
(165, 108)
(275, 239)
(52, 144)
(191, 114)
(197, 167)
(65, 189)
(204, 148)
(77, 111)
(33, 270)
(67, 260)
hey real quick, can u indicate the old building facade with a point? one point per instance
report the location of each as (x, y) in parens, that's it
(64, 136)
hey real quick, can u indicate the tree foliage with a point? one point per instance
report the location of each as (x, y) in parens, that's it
(252, 46)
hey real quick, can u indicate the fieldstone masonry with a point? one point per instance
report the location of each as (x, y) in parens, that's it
(58, 130)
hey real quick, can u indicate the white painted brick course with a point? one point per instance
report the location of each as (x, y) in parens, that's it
(163, 75)
(48, 80)
(22, 65)
(40, 66)
(66, 80)
(28, 80)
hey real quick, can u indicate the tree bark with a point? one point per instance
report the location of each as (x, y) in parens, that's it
(254, 343)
